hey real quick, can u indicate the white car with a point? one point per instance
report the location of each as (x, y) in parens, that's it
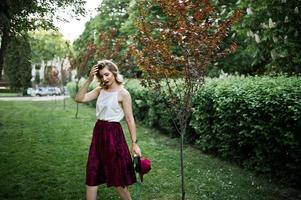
(41, 91)
(48, 91)
(31, 92)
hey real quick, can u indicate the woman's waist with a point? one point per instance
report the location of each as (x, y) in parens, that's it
(110, 117)
(104, 121)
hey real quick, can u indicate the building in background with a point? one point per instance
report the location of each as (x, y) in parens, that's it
(56, 72)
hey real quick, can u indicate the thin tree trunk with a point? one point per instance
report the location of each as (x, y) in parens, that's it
(4, 43)
(77, 107)
(63, 80)
(76, 110)
(183, 132)
(182, 165)
(64, 99)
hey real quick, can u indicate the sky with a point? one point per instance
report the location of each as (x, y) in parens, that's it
(72, 29)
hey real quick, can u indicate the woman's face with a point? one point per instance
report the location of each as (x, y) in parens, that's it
(107, 77)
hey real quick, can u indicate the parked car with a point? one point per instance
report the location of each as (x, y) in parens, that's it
(31, 92)
(48, 91)
(41, 91)
(53, 91)
(58, 91)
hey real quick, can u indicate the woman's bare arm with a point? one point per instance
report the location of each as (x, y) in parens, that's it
(82, 95)
(129, 118)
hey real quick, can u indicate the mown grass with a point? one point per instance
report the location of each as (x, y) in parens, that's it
(43, 151)
(10, 94)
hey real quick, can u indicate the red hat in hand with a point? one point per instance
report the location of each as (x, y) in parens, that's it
(143, 166)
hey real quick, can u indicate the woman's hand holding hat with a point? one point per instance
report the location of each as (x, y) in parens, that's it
(136, 150)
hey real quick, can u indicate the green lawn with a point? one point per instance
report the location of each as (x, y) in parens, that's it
(43, 151)
(10, 94)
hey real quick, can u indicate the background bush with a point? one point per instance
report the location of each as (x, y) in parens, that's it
(150, 108)
(71, 87)
(253, 121)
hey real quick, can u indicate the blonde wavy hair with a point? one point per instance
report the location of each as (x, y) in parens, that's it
(112, 67)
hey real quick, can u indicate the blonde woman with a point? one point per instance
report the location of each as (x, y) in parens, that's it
(109, 160)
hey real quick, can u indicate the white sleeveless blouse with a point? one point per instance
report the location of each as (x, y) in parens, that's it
(108, 108)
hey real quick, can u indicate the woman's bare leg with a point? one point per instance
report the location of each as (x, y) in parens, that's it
(124, 193)
(91, 192)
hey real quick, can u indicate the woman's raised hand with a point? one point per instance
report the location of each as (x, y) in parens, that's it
(93, 72)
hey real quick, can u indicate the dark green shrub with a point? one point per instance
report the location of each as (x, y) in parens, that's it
(71, 87)
(150, 108)
(140, 101)
(254, 121)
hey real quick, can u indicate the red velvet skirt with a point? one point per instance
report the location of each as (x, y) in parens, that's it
(109, 160)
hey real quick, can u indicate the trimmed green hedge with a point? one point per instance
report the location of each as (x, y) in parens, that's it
(149, 109)
(253, 121)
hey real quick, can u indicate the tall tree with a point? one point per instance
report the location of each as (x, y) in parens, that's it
(17, 16)
(174, 51)
(17, 63)
(46, 45)
(268, 36)
(104, 30)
